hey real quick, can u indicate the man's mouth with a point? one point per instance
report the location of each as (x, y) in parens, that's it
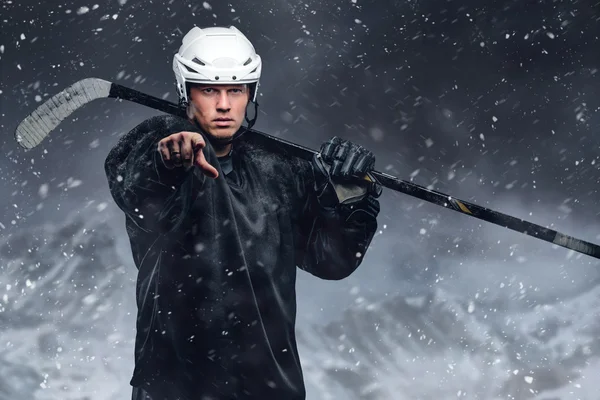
(223, 122)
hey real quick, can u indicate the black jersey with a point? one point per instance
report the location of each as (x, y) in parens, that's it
(217, 261)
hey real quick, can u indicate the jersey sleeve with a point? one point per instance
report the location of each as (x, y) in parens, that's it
(330, 242)
(152, 196)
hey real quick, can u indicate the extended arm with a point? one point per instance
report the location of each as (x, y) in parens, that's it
(152, 197)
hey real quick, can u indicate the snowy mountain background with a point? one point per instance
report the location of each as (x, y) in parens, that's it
(492, 102)
(440, 347)
(67, 313)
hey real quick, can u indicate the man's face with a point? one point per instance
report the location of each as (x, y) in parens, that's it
(219, 109)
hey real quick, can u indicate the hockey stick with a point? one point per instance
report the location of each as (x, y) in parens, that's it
(35, 127)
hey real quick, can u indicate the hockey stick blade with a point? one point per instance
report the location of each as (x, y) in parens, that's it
(37, 125)
(47, 116)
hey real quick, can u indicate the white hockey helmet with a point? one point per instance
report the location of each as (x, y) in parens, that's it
(216, 55)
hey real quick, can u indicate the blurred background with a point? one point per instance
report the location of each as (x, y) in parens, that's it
(491, 102)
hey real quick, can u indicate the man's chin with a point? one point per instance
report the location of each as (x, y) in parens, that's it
(221, 137)
(222, 133)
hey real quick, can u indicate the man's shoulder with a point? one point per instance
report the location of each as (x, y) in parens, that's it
(287, 175)
(147, 131)
(158, 126)
(163, 123)
(271, 156)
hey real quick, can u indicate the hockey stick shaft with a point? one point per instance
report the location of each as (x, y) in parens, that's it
(47, 116)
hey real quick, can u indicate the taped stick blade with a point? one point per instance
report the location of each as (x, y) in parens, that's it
(37, 125)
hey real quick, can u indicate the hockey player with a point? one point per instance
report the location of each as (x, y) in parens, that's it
(219, 221)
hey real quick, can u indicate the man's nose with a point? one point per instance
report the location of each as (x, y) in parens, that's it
(223, 101)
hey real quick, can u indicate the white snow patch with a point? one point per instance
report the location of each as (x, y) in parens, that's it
(471, 307)
(376, 134)
(43, 190)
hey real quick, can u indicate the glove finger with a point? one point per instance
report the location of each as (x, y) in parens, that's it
(348, 166)
(336, 167)
(341, 152)
(328, 148)
(364, 163)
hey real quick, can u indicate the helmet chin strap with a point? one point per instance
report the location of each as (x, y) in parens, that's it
(220, 142)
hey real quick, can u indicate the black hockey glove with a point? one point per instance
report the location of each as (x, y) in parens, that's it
(343, 176)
